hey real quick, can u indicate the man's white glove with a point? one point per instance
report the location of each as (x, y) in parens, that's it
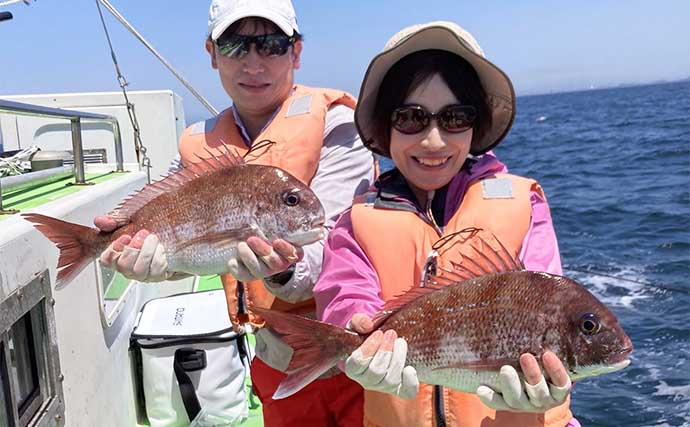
(379, 364)
(528, 395)
(257, 259)
(141, 258)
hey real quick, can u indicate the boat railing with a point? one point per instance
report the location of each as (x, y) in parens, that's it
(75, 117)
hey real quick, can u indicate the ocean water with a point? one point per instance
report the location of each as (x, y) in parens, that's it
(615, 166)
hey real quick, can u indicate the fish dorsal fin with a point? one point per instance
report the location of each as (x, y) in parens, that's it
(488, 261)
(221, 159)
(481, 259)
(393, 305)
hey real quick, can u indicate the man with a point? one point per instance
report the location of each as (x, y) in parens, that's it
(255, 45)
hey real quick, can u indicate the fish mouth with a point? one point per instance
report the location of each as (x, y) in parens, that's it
(301, 238)
(621, 355)
(596, 370)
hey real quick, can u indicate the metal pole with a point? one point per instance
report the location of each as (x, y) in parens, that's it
(79, 176)
(119, 158)
(21, 182)
(5, 211)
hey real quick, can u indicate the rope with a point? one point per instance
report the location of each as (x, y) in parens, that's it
(9, 2)
(13, 165)
(131, 29)
(662, 286)
(140, 149)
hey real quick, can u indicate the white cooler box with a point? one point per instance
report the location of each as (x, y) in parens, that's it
(191, 359)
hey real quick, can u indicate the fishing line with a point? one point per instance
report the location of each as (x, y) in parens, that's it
(662, 286)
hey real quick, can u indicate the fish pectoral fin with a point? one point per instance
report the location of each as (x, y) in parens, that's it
(220, 239)
(481, 365)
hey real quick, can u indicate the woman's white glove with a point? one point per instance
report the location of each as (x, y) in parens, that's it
(140, 258)
(379, 363)
(256, 259)
(532, 394)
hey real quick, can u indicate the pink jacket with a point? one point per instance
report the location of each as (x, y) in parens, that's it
(348, 283)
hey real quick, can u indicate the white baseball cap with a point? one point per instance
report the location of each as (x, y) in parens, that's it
(224, 13)
(447, 36)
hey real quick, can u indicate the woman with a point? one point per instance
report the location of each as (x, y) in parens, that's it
(433, 104)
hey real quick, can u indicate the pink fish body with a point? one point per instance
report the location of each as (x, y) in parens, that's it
(199, 214)
(460, 332)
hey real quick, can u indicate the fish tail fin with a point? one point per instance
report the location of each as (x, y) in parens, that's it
(78, 244)
(317, 347)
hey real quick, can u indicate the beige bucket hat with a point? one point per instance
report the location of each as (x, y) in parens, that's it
(447, 36)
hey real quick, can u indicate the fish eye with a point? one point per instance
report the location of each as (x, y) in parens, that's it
(291, 197)
(589, 324)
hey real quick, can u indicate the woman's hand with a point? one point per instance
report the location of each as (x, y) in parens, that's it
(379, 363)
(532, 394)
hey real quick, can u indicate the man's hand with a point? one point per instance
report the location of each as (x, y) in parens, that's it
(140, 258)
(532, 394)
(257, 259)
(379, 363)
(105, 223)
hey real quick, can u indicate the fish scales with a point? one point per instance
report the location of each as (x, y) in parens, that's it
(199, 214)
(183, 215)
(488, 321)
(460, 333)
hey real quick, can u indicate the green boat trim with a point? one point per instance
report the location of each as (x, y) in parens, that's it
(42, 194)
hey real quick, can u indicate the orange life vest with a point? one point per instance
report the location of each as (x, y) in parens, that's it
(390, 238)
(297, 132)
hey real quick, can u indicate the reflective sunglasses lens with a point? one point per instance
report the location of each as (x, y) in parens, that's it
(273, 44)
(457, 118)
(233, 46)
(409, 120)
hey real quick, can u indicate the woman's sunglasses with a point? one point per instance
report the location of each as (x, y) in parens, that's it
(237, 46)
(454, 118)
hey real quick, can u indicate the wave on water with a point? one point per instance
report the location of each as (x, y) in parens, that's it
(629, 286)
(615, 166)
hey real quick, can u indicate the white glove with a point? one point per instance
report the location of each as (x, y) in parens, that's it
(385, 370)
(148, 264)
(257, 259)
(515, 394)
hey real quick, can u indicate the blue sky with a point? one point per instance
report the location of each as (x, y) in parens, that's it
(544, 46)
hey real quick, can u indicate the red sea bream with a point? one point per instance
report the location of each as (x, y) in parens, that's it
(463, 327)
(199, 214)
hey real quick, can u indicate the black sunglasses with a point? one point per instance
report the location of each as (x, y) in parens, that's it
(453, 118)
(237, 46)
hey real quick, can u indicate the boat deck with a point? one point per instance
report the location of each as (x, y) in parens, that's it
(39, 195)
(209, 283)
(35, 197)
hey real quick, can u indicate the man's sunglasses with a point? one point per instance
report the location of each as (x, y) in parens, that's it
(237, 46)
(453, 118)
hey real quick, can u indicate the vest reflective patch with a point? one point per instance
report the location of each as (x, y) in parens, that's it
(197, 128)
(301, 105)
(497, 188)
(206, 126)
